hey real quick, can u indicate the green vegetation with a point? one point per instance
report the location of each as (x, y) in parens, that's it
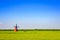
(29, 35)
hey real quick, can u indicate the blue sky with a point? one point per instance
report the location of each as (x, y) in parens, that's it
(29, 14)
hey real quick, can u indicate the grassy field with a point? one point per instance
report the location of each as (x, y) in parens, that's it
(30, 35)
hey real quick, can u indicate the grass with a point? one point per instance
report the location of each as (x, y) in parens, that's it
(29, 35)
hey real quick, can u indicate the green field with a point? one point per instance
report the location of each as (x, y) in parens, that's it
(30, 35)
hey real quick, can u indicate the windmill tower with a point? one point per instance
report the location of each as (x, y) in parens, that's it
(15, 28)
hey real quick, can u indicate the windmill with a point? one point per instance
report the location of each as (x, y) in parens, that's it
(15, 28)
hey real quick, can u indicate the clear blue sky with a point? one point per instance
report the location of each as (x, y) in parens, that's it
(29, 14)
